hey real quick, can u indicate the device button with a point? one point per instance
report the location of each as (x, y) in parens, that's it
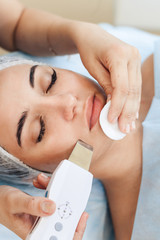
(46, 194)
(53, 238)
(58, 226)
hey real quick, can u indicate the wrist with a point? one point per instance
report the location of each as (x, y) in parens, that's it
(63, 42)
(81, 31)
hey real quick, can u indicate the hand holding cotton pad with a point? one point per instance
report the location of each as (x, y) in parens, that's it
(111, 130)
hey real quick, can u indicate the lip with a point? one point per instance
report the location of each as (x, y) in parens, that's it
(94, 107)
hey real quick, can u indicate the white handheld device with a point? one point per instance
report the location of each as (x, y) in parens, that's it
(69, 188)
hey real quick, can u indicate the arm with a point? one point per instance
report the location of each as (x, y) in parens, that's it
(34, 31)
(8, 22)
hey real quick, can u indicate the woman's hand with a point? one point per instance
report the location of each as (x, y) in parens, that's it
(42, 182)
(18, 210)
(116, 66)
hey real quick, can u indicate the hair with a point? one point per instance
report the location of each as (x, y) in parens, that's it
(13, 169)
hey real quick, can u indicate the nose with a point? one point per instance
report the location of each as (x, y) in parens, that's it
(63, 104)
(66, 104)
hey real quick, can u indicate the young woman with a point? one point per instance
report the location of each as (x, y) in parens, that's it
(49, 109)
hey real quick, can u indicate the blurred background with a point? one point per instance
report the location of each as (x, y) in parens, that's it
(143, 14)
(85, 10)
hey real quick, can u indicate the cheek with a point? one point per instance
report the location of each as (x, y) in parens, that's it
(61, 141)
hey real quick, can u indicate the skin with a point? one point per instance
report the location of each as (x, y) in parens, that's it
(118, 164)
(113, 63)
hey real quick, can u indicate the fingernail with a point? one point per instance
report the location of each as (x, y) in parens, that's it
(133, 125)
(128, 128)
(137, 115)
(47, 207)
(35, 181)
(44, 176)
(87, 216)
(108, 97)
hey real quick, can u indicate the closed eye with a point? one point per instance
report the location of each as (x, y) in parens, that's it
(42, 130)
(54, 78)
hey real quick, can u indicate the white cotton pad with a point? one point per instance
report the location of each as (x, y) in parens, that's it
(111, 130)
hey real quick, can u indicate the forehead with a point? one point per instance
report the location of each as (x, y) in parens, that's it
(14, 87)
(10, 77)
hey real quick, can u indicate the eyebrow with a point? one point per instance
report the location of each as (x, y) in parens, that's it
(31, 75)
(24, 114)
(20, 127)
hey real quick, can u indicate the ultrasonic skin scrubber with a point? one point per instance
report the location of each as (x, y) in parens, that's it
(111, 130)
(69, 188)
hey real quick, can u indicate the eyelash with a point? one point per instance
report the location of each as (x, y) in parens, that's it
(42, 131)
(54, 78)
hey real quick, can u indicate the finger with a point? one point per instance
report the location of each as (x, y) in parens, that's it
(81, 227)
(102, 75)
(43, 180)
(132, 104)
(37, 184)
(37, 206)
(119, 79)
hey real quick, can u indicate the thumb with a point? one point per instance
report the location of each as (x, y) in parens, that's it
(37, 206)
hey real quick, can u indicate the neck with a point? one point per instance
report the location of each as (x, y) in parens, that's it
(122, 182)
(118, 157)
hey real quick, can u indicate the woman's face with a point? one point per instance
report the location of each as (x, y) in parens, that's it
(44, 111)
